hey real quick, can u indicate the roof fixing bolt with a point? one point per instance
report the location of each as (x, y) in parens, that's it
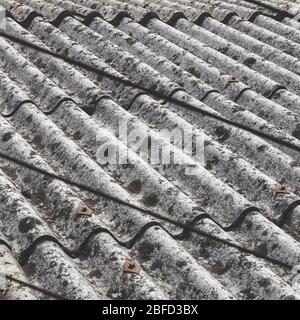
(280, 188)
(232, 79)
(131, 267)
(84, 210)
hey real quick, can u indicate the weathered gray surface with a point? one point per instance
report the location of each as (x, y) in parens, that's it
(52, 112)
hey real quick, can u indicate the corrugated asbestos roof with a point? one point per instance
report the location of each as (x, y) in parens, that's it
(231, 57)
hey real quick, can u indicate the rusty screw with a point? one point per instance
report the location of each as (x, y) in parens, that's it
(232, 79)
(282, 189)
(83, 210)
(131, 267)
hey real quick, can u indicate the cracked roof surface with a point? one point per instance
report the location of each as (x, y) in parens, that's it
(230, 57)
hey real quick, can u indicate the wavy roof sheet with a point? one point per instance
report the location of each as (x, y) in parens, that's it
(233, 58)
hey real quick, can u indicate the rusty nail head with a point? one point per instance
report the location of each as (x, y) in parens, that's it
(232, 79)
(280, 188)
(83, 210)
(131, 267)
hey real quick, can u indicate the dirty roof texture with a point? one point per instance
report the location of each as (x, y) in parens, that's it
(233, 58)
